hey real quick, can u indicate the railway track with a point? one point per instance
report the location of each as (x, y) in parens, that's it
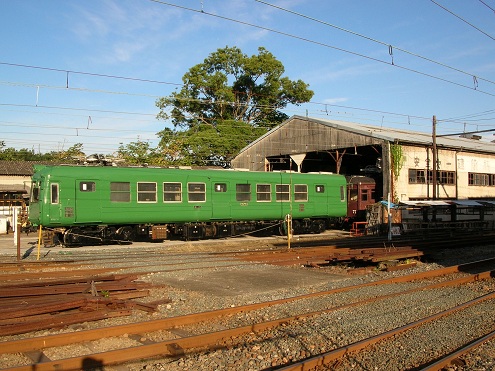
(249, 329)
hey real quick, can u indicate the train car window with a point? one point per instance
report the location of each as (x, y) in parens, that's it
(263, 192)
(54, 193)
(342, 193)
(35, 192)
(282, 192)
(196, 192)
(87, 186)
(120, 192)
(146, 192)
(243, 192)
(364, 195)
(320, 188)
(353, 195)
(220, 187)
(172, 192)
(300, 192)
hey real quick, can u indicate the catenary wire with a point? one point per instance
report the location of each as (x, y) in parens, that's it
(475, 88)
(388, 45)
(462, 19)
(488, 6)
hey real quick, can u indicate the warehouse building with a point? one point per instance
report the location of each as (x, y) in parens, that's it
(400, 161)
(15, 183)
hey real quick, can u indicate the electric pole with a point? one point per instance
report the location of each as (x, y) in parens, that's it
(434, 137)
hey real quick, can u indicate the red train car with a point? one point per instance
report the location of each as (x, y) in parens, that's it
(360, 193)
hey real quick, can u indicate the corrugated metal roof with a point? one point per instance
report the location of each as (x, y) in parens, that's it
(409, 136)
(424, 203)
(466, 203)
(391, 135)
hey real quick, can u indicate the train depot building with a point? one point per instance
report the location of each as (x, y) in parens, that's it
(15, 185)
(383, 164)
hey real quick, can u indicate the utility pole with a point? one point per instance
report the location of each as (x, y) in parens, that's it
(434, 137)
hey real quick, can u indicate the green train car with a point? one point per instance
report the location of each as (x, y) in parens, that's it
(97, 204)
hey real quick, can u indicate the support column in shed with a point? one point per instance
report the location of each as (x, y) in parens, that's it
(298, 159)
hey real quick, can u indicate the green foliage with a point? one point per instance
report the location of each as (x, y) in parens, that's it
(207, 145)
(230, 85)
(397, 159)
(105, 293)
(23, 154)
(71, 155)
(138, 153)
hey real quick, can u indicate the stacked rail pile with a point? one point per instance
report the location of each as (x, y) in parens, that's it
(49, 304)
(374, 255)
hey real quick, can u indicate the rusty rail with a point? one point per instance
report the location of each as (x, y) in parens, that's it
(175, 346)
(328, 357)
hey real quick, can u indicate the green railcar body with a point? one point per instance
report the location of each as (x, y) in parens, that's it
(68, 196)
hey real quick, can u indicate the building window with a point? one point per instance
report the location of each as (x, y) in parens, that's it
(172, 192)
(282, 192)
(446, 177)
(87, 186)
(196, 192)
(417, 176)
(243, 192)
(263, 192)
(120, 192)
(146, 192)
(477, 179)
(443, 177)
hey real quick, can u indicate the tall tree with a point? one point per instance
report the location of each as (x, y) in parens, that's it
(138, 153)
(207, 145)
(229, 85)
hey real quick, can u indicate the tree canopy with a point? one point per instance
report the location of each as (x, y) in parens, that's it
(205, 144)
(68, 156)
(229, 85)
(225, 103)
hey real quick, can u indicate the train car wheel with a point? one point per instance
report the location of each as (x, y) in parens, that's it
(125, 234)
(318, 226)
(73, 237)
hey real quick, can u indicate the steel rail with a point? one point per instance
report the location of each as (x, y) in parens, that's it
(333, 355)
(64, 339)
(179, 346)
(445, 361)
(160, 324)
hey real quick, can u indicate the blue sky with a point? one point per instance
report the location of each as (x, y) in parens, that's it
(123, 54)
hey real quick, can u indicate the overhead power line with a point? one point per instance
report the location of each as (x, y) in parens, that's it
(475, 78)
(488, 6)
(462, 19)
(388, 45)
(88, 73)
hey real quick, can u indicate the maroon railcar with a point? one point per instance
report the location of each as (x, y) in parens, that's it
(360, 193)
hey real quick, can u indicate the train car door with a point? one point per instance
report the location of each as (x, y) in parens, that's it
(221, 194)
(88, 201)
(54, 204)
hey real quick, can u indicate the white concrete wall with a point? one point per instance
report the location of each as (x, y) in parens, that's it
(461, 163)
(475, 163)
